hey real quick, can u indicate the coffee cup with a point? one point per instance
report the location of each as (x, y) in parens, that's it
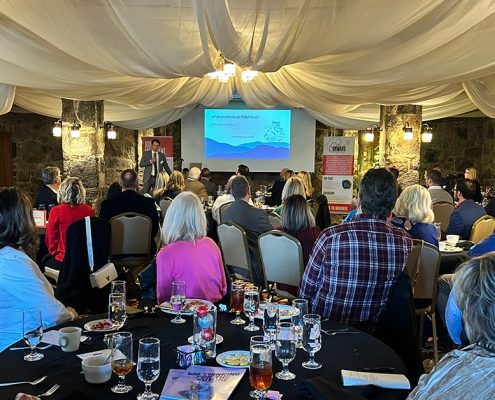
(70, 338)
(97, 369)
(452, 239)
(442, 246)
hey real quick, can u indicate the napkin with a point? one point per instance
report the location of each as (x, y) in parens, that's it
(387, 381)
(118, 354)
(51, 337)
(273, 395)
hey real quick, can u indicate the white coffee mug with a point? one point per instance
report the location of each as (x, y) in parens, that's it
(452, 239)
(70, 338)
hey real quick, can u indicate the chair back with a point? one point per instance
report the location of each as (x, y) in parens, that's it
(426, 282)
(221, 211)
(412, 265)
(164, 205)
(281, 258)
(234, 246)
(322, 216)
(274, 220)
(482, 228)
(442, 211)
(131, 236)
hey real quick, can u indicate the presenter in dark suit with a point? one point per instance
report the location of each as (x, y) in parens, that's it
(153, 162)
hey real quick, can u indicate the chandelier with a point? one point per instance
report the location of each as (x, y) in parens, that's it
(228, 71)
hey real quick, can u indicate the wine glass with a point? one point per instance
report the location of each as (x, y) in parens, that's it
(251, 306)
(116, 309)
(121, 359)
(260, 368)
(311, 339)
(148, 366)
(178, 299)
(270, 322)
(301, 305)
(32, 331)
(236, 300)
(285, 349)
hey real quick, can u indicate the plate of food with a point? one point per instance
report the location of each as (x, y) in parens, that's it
(234, 359)
(218, 337)
(99, 325)
(285, 311)
(449, 249)
(190, 306)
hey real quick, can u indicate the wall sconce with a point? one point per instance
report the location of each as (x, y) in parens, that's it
(427, 134)
(408, 132)
(57, 128)
(110, 128)
(369, 136)
(74, 131)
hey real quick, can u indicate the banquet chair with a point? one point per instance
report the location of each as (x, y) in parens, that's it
(281, 259)
(482, 228)
(164, 205)
(413, 259)
(442, 211)
(275, 220)
(322, 216)
(221, 211)
(235, 250)
(425, 290)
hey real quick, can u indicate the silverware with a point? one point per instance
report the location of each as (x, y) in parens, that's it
(35, 382)
(50, 391)
(29, 348)
(327, 331)
(339, 333)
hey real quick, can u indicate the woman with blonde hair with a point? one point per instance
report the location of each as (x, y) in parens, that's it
(188, 254)
(306, 178)
(414, 213)
(175, 185)
(161, 181)
(294, 185)
(472, 173)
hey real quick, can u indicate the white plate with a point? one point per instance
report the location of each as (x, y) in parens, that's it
(219, 339)
(285, 311)
(221, 358)
(89, 326)
(452, 250)
(189, 308)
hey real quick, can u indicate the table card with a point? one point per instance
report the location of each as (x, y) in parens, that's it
(39, 218)
(387, 381)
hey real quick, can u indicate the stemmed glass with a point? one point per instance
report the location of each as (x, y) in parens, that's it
(285, 349)
(121, 359)
(148, 366)
(301, 305)
(270, 322)
(236, 300)
(178, 299)
(311, 339)
(32, 331)
(260, 368)
(118, 287)
(116, 309)
(251, 306)
(253, 341)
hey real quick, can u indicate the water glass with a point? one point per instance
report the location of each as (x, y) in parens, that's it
(116, 309)
(118, 287)
(301, 305)
(121, 347)
(148, 366)
(311, 339)
(178, 300)
(438, 226)
(270, 322)
(260, 368)
(285, 349)
(32, 331)
(251, 306)
(236, 302)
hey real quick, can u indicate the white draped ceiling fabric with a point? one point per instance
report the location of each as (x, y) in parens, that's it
(338, 59)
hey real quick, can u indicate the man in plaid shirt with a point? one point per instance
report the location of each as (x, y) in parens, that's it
(354, 265)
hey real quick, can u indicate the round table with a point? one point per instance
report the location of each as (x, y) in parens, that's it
(345, 351)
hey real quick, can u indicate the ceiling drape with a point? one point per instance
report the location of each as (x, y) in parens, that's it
(337, 59)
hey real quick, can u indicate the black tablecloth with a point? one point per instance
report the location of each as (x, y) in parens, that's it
(338, 352)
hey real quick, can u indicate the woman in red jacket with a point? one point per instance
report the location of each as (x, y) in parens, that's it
(71, 207)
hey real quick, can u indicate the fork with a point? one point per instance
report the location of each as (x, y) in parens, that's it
(338, 332)
(35, 382)
(50, 391)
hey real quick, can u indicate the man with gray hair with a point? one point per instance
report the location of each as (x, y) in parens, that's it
(48, 193)
(194, 185)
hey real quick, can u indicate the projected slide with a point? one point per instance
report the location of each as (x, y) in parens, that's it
(247, 134)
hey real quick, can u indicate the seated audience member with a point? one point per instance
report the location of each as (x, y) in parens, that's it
(298, 221)
(293, 186)
(131, 201)
(490, 208)
(22, 285)
(175, 185)
(278, 186)
(308, 186)
(395, 173)
(467, 211)
(113, 190)
(185, 172)
(160, 186)
(472, 173)
(414, 214)
(223, 199)
(210, 186)
(468, 373)
(244, 171)
(194, 185)
(48, 193)
(434, 180)
(344, 280)
(71, 208)
(188, 254)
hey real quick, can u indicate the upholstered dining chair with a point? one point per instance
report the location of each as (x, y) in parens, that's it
(413, 260)
(275, 220)
(164, 205)
(482, 228)
(221, 211)
(442, 211)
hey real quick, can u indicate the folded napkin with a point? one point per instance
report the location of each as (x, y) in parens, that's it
(387, 381)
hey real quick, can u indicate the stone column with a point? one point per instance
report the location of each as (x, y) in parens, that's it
(394, 150)
(83, 156)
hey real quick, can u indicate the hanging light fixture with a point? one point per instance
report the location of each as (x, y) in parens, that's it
(227, 71)
(74, 131)
(57, 128)
(408, 132)
(369, 136)
(427, 134)
(248, 75)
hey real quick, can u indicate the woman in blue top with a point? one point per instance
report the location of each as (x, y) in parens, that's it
(413, 212)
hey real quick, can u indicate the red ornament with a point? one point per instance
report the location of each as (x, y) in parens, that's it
(201, 311)
(207, 334)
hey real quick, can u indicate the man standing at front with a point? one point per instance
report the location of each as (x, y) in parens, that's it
(153, 161)
(354, 265)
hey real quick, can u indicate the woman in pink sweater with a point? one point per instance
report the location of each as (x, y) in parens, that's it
(188, 254)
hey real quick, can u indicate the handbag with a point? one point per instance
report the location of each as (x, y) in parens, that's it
(105, 274)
